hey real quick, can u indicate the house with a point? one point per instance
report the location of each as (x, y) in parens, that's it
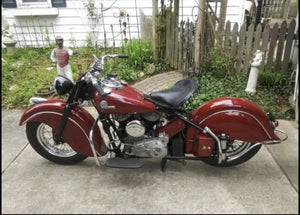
(79, 22)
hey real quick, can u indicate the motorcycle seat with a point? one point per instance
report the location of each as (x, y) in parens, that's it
(178, 94)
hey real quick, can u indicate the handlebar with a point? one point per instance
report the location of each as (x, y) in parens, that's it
(102, 59)
(100, 68)
(111, 56)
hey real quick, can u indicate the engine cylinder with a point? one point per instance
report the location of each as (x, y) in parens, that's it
(135, 128)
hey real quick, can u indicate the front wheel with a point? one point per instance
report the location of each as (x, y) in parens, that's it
(40, 137)
(235, 148)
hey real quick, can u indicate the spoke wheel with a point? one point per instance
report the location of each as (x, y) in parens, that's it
(40, 137)
(235, 147)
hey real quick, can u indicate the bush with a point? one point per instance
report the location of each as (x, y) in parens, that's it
(140, 63)
(220, 63)
(272, 79)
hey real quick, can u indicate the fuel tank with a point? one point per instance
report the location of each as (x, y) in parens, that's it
(239, 118)
(127, 100)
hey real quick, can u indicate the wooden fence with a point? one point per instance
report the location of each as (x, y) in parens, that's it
(275, 42)
(276, 8)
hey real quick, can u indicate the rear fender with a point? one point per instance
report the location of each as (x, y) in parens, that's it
(77, 129)
(239, 118)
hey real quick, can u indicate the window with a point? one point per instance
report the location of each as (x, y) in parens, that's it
(33, 3)
(59, 3)
(9, 3)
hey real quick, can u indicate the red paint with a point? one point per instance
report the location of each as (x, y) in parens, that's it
(171, 128)
(239, 118)
(204, 146)
(126, 100)
(191, 138)
(75, 133)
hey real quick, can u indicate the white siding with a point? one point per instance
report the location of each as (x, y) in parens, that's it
(72, 23)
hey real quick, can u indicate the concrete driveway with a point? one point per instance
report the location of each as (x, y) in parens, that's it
(266, 184)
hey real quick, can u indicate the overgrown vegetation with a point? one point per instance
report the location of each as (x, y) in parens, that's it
(217, 79)
(140, 63)
(30, 69)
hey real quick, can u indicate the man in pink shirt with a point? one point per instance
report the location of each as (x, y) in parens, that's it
(60, 56)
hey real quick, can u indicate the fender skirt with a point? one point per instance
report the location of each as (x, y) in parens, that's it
(77, 129)
(239, 118)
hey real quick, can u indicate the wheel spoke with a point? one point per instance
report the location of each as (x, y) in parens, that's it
(45, 137)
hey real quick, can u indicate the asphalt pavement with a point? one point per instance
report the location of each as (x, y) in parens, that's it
(266, 184)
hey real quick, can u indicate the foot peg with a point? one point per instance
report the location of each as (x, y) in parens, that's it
(128, 163)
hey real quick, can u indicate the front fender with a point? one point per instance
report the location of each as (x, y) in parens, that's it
(78, 126)
(239, 118)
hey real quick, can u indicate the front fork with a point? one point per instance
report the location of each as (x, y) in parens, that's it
(71, 102)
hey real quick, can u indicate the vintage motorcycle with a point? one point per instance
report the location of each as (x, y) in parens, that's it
(222, 132)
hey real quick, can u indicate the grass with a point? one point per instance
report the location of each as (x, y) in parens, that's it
(29, 69)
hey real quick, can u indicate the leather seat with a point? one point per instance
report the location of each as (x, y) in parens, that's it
(177, 95)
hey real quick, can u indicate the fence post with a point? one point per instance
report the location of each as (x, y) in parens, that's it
(234, 38)
(286, 9)
(241, 47)
(257, 38)
(227, 34)
(199, 32)
(288, 47)
(154, 34)
(274, 34)
(266, 35)
(176, 17)
(222, 18)
(282, 32)
(248, 47)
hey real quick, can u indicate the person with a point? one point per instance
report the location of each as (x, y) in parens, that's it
(60, 56)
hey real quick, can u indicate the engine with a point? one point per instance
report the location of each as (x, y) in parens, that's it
(136, 132)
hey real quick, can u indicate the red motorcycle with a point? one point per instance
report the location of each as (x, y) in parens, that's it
(222, 132)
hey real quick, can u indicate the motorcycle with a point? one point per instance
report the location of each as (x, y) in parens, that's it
(222, 132)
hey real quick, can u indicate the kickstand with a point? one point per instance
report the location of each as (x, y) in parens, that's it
(163, 164)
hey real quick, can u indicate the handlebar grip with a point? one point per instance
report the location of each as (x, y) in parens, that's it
(123, 56)
(100, 90)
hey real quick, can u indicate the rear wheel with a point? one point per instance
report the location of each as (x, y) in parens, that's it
(40, 137)
(235, 148)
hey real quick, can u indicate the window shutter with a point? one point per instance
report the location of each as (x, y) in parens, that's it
(9, 3)
(59, 3)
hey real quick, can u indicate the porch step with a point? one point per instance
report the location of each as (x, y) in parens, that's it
(127, 163)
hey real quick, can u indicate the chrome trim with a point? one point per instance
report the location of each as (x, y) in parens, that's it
(92, 142)
(221, 156)
(105, 105)
(37, 100)
(268, 142)
(236, 111)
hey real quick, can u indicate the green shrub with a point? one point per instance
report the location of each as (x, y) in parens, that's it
(140, 53)
(271, 79)
(220, 63)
